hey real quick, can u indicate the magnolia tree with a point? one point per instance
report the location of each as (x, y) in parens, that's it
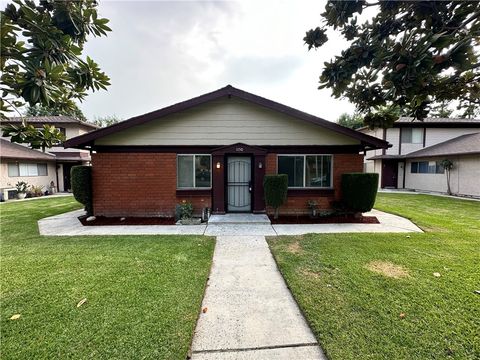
(407, 55)
(42, 63)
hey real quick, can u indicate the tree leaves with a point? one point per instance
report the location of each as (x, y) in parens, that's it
(408, 54)
(48, 67)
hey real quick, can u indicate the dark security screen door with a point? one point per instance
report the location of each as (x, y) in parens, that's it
(389, 174)
(239, 176)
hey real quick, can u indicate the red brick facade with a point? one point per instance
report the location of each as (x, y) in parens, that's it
(144, 184)
(138, 184)
(297, 200)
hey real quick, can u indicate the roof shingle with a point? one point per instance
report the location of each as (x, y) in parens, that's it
(15, 151)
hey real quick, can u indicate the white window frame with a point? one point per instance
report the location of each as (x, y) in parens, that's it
(305, 168)
(17, 165)
(194, 177)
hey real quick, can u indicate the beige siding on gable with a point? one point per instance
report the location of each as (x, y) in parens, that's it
(225, 122)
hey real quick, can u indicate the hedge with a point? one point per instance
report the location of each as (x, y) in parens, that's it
(359, 191)
(81, 178)
(275, 187)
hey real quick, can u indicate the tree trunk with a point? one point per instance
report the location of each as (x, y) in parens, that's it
(449, 191)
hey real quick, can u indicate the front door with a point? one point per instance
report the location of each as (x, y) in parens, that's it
(389, 174)
(239, 176)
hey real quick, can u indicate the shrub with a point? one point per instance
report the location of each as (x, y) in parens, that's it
(21, 187)
(359, 191)
(186, 210)
(275, 187)
(81, 178)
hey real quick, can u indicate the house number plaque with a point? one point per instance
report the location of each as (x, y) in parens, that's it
(239, 149)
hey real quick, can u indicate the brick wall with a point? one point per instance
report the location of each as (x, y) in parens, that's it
(138, 184)
(144, 184)
(296, 203)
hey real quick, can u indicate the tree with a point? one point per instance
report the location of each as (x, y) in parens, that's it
(448, 166)
(441, 110)
(354, 121)
(409, 54)
(104, 121)
(43, 138)
(41, 61)
(41, 52)
(41, 110)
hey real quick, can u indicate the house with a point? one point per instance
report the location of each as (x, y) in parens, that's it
(19, 163)
(418, 148)
(214, 150)
(28, 159)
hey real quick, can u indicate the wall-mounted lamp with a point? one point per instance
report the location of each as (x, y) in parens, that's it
(218, 165)
(260, 165)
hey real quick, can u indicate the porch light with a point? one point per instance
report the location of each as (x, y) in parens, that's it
(260, 165)
(218, 165)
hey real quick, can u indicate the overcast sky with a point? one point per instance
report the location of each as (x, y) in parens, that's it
(163, 52)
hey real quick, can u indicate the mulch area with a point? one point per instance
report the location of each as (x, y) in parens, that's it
(102, 220)
(305, 219)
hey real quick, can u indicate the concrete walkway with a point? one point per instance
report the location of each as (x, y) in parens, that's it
(68, 225)
(250, 313)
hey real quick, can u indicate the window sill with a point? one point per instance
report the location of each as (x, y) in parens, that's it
(194, 192)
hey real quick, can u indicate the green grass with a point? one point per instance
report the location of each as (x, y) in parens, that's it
(355, 313)
(143, 292)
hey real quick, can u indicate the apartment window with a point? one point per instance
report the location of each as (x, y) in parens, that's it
(194, 171)
(306, 171)
(412, 136)
(426, 167)
(27, 169)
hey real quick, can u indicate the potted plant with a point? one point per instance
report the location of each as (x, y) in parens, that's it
(313, 206)
(22, 188)
(186, 214)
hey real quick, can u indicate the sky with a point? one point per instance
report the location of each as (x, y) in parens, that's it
(163, 52)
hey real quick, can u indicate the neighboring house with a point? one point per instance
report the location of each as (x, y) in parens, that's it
(418, 148)
(214, 151)
(64, 158)
(19, 163)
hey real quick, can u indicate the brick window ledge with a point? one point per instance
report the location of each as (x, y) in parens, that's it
(310, 192)
(194, 192)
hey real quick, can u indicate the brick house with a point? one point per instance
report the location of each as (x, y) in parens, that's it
(214, 150)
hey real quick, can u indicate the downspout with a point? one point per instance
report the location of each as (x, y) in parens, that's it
(404, 172)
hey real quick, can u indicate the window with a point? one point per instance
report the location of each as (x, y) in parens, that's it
(194, 171)
(293, 167)
(27, 169)
(412, 135)
(310, 171)
(426, 167)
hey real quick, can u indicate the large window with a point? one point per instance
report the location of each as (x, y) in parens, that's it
(194, 171)
(27, 169)
(412, 135)
(426, 167)
(309, 171)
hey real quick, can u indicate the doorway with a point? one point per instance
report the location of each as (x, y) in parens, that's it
(239, 184)
(389, 174)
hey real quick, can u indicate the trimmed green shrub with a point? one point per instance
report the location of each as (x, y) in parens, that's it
(275, 187)
(81, 178)
(359, 191)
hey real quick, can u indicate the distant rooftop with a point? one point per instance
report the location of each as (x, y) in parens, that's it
(437, 120)
(15, 151)
(57, 119)
(468, 144)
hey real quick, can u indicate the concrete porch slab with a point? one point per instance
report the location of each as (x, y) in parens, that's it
(239, 229)
(251, 219)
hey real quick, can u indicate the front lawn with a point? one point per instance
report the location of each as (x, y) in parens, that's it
(375, 296)
(143, 292)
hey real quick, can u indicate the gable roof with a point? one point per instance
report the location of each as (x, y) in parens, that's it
(88, 139)
(11, 150)
(461, 145)
(53, 119)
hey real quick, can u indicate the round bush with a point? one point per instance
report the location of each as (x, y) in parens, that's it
(359, 191)
(81, 178)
